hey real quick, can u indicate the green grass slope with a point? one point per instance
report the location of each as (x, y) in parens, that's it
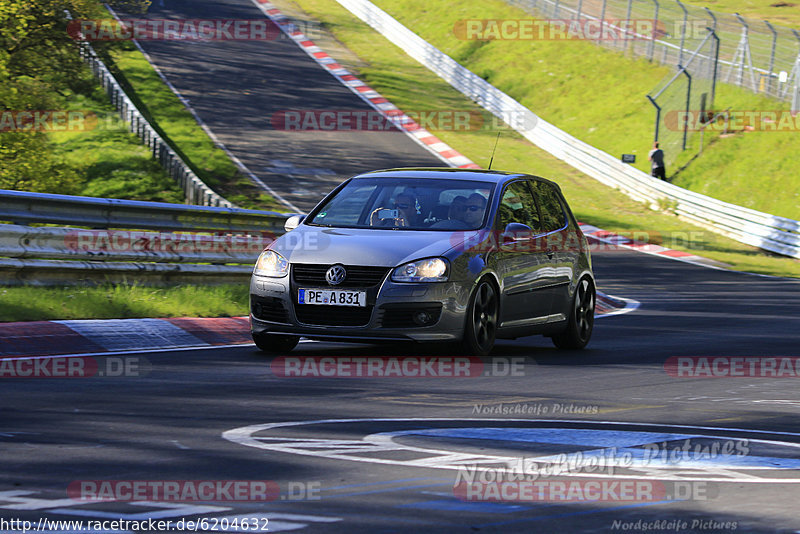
(598, 96)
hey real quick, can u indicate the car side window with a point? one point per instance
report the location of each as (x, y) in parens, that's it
(553, 216)
(517, 206)
(346, 210)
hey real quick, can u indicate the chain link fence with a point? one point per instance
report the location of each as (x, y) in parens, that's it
(759, 56)
(684, 100)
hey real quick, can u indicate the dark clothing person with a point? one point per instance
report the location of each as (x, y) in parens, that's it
(656, 158)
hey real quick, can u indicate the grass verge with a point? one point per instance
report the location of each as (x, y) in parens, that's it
(122, 302)
(110, 160)
(775, 11)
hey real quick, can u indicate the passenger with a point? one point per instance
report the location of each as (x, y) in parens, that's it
(474, 210)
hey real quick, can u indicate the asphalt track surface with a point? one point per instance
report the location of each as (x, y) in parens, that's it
(194, 415)
(238, 87)
(167, 423)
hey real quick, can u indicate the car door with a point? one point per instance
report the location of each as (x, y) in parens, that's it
(556, 241)
(522, 263)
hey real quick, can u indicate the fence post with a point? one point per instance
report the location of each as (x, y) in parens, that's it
(771, 55)
(555, 10)
(796, 73)
(578, 12)
(688, 103)
(602, 21)
(746, 57)
(713, 17)
(796, 94)
(716, 62)
(653, 37)
(628, 22)
(658, 115)
(683, 31)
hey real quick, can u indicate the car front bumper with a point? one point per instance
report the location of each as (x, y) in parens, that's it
(392, 304)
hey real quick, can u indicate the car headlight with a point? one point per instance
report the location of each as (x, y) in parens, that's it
(427, 270)
(270, 263)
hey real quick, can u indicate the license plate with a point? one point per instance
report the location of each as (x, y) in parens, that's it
(332, 297)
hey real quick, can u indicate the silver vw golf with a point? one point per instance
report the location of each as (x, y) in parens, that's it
(428, 255)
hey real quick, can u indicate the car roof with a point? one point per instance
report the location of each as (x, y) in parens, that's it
(443, 172)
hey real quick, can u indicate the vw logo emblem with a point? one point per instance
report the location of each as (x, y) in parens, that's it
(336, 275)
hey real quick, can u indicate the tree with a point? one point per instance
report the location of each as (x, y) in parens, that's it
(39, 63)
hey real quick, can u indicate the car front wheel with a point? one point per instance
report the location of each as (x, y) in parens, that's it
(581, 318)
(275, 343)
(481, 325)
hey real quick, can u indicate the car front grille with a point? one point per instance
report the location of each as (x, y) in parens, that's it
(357, 276)
(333, 315)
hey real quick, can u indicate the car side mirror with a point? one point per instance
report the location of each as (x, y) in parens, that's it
(515, 232)
(293, 222)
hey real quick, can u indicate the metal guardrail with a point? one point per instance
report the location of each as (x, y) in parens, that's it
(64, 273)
(22, 207)
(196, 191)
(128, 241)
(130, 245)
(769, 232)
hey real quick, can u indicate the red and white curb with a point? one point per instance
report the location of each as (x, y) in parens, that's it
(369, 95)
(112, 336)
(97, 337)
(623, 242)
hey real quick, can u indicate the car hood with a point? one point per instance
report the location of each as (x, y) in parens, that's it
(357, 246)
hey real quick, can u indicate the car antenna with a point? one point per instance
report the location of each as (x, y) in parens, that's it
(495, 148)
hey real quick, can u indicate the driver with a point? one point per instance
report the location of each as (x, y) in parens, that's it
(406, 206)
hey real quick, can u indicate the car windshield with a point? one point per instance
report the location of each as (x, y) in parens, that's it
(407, 204)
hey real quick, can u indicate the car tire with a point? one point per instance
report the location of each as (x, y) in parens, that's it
(482, 317)
(275, 343)
(581, 318)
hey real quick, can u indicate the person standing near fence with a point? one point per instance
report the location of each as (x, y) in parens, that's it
(656, 158)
